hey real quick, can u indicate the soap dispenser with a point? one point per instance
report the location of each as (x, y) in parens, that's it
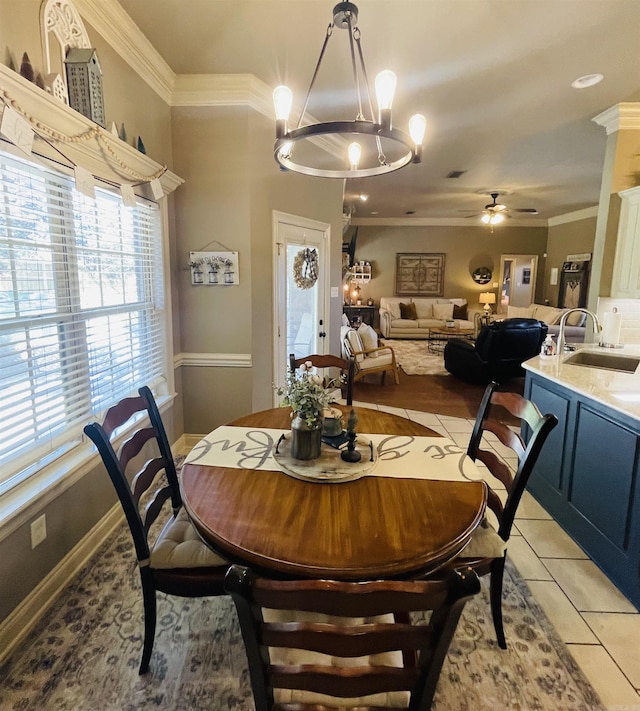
(548, 349)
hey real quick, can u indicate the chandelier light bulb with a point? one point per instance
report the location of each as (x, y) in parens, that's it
(282, 101)
(354, 155)
(417, 127)
(385, 89)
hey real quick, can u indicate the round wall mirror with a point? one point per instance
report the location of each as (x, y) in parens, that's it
(482, 275)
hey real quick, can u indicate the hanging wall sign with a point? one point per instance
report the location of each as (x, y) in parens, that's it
(214, 268)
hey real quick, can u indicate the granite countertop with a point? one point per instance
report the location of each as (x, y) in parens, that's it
(620, 391)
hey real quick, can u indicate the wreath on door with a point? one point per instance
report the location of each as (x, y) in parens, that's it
(305, 268)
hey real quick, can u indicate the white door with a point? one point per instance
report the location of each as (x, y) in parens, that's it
(299, 312)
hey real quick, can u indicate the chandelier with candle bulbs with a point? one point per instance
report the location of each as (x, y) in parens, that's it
(364, 147)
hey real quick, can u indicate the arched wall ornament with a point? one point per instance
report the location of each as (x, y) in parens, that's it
(61, 18)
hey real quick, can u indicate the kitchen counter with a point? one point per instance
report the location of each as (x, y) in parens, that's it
(588, 473)
(620, 391)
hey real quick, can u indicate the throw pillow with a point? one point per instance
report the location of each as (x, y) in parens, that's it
(345, 320)
(369, 339)
(408, 311)
(460, 312)
(549, 314)
(424, 308)
(355, 344)
(577, 318)
(443, 312)
(520, 311)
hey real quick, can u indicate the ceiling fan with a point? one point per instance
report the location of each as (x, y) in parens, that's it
(494, 213)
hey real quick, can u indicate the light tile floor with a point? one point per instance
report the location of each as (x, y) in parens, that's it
(599, 625)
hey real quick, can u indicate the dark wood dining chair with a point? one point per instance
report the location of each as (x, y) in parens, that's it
(376, 657)
(346, 366)
(487, 551)
(177, 562)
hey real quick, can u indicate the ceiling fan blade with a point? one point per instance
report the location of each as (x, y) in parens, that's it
(527, 210)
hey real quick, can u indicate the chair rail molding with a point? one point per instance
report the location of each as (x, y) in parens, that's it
(213, 360)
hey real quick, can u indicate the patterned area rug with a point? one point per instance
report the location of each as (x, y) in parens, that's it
(85, 652)
(414, 357)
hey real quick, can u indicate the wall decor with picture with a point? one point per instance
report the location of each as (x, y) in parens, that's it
(419, 274)
(214, 268)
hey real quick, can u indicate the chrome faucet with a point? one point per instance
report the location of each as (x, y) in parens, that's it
(597, 328)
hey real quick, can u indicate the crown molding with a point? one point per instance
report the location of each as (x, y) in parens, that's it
(222, 90)
(109, 19)
(436, 222)
(213, 360)
(625, 116)
(103, 155)
(585, 214)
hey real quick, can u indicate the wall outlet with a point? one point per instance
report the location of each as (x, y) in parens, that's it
(38, 531)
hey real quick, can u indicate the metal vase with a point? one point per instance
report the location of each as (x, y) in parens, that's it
(305, 440)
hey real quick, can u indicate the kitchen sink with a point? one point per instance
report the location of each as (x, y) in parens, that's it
(607, 361)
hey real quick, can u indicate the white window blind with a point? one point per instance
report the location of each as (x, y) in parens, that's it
(81, 301)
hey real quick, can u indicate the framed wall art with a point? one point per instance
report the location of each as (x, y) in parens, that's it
(419, 274)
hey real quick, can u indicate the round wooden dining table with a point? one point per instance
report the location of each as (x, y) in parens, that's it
(375, 527)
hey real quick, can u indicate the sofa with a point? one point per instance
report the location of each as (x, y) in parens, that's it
(413, 317)
(575, 327)
(498, 353)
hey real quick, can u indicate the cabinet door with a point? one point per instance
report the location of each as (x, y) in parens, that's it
(550, 465)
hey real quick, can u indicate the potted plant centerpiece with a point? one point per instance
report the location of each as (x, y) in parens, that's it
(306, 394)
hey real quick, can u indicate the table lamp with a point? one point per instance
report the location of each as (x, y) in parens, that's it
(487, 298)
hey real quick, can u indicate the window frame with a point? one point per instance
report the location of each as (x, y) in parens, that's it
(45, 479)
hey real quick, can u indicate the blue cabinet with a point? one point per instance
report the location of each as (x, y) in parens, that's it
(588, 479)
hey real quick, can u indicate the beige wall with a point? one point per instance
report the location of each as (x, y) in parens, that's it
(232, 187)
(569, 238)
(466, 248)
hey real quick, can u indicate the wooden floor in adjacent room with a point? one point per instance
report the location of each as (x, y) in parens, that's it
(440, 394)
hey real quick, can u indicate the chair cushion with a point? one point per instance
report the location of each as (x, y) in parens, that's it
(486, 543)
(443, 311)
(394, 699)
(369, 339)
(355, 343)
(383, 358)
(408, 311)
(179, 546)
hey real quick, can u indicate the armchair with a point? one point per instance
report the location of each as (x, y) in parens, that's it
(361, 346)
(498, 353)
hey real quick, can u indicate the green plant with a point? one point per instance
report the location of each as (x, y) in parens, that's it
(306, 394)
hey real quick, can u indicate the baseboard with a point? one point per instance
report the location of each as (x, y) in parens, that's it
(17, 625)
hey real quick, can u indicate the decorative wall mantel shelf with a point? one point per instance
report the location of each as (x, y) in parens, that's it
(104, 155)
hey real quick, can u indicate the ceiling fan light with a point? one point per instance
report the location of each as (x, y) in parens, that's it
(497, 218)
(486, 218)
